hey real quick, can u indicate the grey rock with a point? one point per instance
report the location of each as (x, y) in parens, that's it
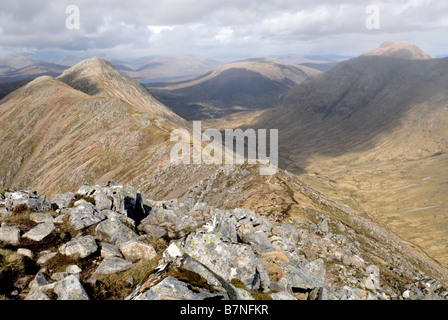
(283, 295)
(110, 250)
(9, 234)
(84, 215)
(372, 282)
(163, 217)
(305, 277)
(126, 200)
(259, 242)
(82, 246)
(171, 288)
(61, 200)
(123, 235)
(102, 201)
(37, 295)
(112, 265)
(41, 217)
(243, 295)
(39, 232)
(44, 258)
(156, 231)
(70, 288)
(135, 250)
(229, 260)
(25, 252)
(29, 198)
(39, 280)
(224, 223)
(73, 269)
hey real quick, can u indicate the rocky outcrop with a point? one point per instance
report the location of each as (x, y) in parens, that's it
(82, 240)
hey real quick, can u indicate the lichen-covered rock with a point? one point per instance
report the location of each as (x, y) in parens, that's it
(84, 215)
(70, 288)
(229, 260)
(82, 246)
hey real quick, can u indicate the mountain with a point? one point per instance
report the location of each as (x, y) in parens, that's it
(153, 68)
(90, 123)
(20, 67)
(400, 49)
(214, 231)
(372, 133)
(252, 84)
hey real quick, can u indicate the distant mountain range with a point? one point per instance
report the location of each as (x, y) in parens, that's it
(252, 84)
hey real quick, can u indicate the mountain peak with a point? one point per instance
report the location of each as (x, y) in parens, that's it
(400, 49)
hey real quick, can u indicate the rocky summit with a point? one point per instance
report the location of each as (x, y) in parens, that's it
(107, 242)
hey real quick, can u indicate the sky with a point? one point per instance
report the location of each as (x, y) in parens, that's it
(218, 28)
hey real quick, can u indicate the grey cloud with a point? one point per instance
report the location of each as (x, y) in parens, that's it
(194, 26)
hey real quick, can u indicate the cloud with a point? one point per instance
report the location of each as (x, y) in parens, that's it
(219, 27)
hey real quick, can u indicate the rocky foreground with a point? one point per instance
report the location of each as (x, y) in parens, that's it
(106, 242)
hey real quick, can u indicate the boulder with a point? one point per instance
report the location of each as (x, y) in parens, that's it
(372, 281)
(225, 223)
(229, 260)
(9, 234)
(29, 198)
(26, 253)
(259, 242)
(112, 265)
(61, 200)
(171, 288)
(83, 246)
(41, 217)
(39, 232)
(110, 250)
(126, 200)
(135, 250)
(84, 215)
(70, 288)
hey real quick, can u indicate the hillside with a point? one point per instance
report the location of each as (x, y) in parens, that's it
(252, 84)
(19, 67)
(372, 132)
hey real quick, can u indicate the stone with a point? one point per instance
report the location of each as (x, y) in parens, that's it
(62, 200)
(84, 215)
(225, 224)
(173, 251)
(372, 282)
(126, 200)
(171, 288)
(73, 269)
(39, 280)
(9, 234)
(110, 250)
(41, 217)
(177, 220)
(156, 231)
(70, 288)
(39, 232)
(29, 198)
(259, 242)
(135, 250)
(44, 258)
(26, 253)
(229, 260)
(243, 295)
(82, 246)
(283, 295)
(123, 235)
(112, 265)
(305, 277)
